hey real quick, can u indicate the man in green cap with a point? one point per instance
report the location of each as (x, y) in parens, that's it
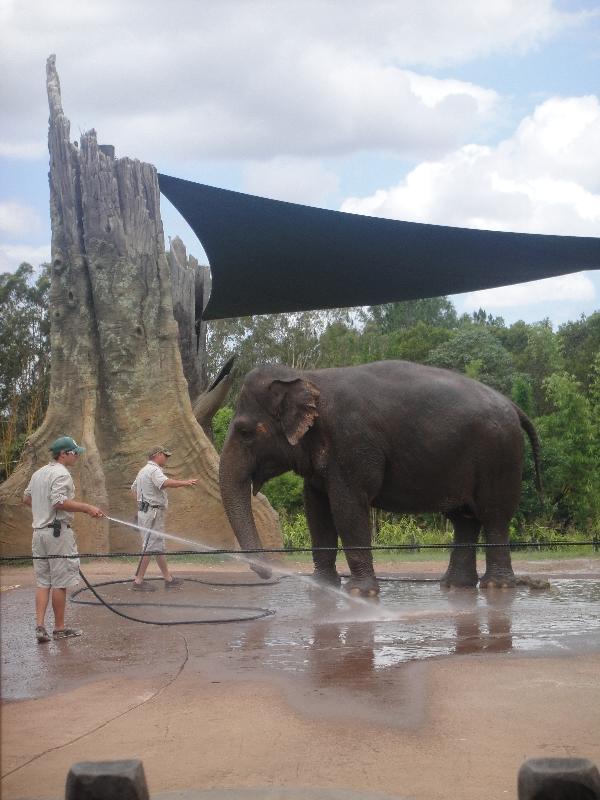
(50, 495)
(149, 488)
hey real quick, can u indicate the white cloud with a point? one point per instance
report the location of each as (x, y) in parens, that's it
(543, 179)
(565, 288)
(295, 180)
(259, 79)
(31, 149)
(13, 255)
(17, 219)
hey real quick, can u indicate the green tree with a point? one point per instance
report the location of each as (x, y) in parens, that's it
(340, 345)
(481, 317)
(291, 339)
(438, 311)
(515, 339)
(580, 344)
(522, 393)
(569, 452)
(417, 342)
(476, 352)
(24, 359)
(536, 352)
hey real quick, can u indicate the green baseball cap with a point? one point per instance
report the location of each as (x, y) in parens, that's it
(65, 443)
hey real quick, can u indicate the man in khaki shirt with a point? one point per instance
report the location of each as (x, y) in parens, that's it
(50, 495)
(149, 488)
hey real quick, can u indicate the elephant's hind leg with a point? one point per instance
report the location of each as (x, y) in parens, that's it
(462, 568)
(498, 566)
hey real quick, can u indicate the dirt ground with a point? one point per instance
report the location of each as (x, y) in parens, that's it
(304, 699)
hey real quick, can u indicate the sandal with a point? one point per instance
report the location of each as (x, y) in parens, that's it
(66, 633)
(41, 634)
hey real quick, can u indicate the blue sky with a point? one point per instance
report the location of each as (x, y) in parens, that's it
(464, 113)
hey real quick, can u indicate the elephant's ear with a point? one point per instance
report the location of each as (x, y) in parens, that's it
(294, 403)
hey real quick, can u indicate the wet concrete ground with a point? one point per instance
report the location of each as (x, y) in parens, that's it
(351, 663)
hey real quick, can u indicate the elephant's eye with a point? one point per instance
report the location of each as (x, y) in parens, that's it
(245, 431)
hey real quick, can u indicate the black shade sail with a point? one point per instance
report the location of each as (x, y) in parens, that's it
(268, 256)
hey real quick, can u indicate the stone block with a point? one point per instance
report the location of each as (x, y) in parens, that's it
(559, 779)
(106, 780)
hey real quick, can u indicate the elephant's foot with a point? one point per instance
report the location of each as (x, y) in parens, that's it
(458, 580)
(362, 587)
(327, 577)
(505, 579)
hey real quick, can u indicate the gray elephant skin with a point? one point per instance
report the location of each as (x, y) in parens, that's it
(395, 435)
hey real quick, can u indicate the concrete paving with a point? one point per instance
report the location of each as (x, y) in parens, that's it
(408, 697)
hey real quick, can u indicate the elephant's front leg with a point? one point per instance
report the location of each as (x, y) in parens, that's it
(351, 516)
(323, 535)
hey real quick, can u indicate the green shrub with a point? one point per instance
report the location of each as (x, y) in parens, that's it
(295, 531)
(406, 530)
(220, 426)
(285, 493)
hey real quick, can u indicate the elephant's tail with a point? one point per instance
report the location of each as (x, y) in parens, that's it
(531, 432)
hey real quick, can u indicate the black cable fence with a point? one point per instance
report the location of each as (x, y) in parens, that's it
(594, 542)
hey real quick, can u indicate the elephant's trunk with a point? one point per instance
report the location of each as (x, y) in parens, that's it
(235, 493)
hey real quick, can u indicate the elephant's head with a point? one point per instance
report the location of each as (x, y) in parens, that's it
(277, 406)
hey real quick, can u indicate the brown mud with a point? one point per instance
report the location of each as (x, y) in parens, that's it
(427, 693)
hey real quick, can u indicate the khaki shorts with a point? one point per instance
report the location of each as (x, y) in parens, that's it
(155, 519)
(58, 573)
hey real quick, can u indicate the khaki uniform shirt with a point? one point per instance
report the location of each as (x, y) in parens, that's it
(148, 485)
(48, 486)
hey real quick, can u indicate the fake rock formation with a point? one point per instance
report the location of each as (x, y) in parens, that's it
(117, 381)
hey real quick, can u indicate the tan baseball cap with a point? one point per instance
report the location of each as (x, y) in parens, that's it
(154, 451)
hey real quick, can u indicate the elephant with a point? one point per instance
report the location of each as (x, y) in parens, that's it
(394, 435)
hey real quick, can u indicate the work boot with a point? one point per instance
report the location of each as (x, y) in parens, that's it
(173, 583)
(144, 586)
(41, 634)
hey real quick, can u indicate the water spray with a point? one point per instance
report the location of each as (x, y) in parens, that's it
(281, 571)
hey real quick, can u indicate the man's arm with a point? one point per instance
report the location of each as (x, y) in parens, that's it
(171, 483)
(75, 505)
(27, 500)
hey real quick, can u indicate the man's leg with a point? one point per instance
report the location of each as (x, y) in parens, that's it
(161, 560)
(42, 596)
(59, 602)
(143, 566)
(41, 568)
(157, 544)
(145, 521)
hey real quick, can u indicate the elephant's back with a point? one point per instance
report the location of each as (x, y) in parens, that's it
(404, 384)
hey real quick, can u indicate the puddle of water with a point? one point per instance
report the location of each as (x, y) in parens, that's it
(420, 621)
(364, 660)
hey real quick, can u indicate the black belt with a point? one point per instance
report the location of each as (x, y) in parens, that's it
(51, 527)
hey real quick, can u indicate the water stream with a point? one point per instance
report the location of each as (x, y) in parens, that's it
(369, 610)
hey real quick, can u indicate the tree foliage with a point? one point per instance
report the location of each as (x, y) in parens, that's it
(24, 359)
(570, 452)
(478, 353)
(524, 361)
(554, 376)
